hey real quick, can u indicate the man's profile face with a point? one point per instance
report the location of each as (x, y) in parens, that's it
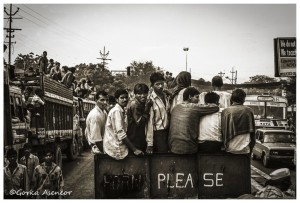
(102, 102)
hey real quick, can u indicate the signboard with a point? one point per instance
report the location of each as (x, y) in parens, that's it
(285, 56)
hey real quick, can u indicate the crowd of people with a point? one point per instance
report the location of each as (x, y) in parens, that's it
(179, 120)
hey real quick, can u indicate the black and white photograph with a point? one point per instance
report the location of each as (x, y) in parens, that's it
(149, 100)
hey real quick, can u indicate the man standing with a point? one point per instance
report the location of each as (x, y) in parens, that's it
(238, 126)
(15, 176)
(184, 127)
(47, 178)
(43, 63)
(95, 122)
(159, 120)
(55, 72)
(30, 161)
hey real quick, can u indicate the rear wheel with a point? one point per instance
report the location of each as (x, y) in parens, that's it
(72, 151)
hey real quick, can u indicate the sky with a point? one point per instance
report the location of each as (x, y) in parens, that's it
(220, 37)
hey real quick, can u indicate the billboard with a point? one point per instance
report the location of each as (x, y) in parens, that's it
(285, 56)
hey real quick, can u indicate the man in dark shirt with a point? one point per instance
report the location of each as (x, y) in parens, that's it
(138, 115)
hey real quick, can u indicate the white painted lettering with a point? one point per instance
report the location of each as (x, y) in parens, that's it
(211, 180)
(219, 179)
(169, 181)
(160, 177)
(178, 180)
(189, 179)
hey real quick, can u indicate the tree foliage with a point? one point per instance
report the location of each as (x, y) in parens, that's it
(261, 79)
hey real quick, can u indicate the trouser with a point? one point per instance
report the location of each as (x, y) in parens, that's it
(160, 141)
(210, 146)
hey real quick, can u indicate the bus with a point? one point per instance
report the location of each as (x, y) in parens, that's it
(269, 111)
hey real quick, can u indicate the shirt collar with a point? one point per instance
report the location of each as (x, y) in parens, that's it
(119, 107)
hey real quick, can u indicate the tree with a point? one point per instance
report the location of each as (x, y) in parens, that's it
(25, 61)
(261, 79)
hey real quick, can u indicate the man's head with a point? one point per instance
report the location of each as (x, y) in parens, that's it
(121, 96)
(48, 155)
(101, 99)
(157, 81)
(217, 81)
(280, 178)
(51, 61)
(191, 95)
(44, 53)
(238, 96)
(211, 98)
(141, 92)
(12, 155)
(57, 64)
(27, 149)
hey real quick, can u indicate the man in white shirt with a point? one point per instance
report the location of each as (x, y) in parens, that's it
(210, 136)
(217, 83)
(95, 122)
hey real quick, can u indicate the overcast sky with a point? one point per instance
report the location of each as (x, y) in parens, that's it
(219, 37)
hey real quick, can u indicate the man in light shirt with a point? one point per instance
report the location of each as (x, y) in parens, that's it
(217, 84)
(238, 126)
(210, 136)
(95, 122)
(116, 142)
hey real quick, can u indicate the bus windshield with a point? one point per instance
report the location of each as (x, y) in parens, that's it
(273, 112)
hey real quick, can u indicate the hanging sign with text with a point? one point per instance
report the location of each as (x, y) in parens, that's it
(285, 56)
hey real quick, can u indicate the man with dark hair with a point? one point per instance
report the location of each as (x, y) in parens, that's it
(43, 63)
(210, 136)
(50, 66)
(184, 127)
(95, 122)
(217, 84)
(55, 72)
(238, 127)
(30, 161)
(47, 178)
(138, 115)
(158, 122)
(69, 77)
(116, 142)
(15, 176)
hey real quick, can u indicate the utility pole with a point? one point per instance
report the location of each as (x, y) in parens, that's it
(8, 135)
(104, 57)
(233, 78)
(10, 30)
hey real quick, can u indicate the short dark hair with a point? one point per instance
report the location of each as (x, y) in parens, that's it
(48, 150)
(101, 92)
(44, 52)
(51, 61)
(38, 91)
(11, 152)
(211, 97)
(119, 92)
(140, 88)
(190, 91)
(217, 81)
(156, 76)
(238, 96)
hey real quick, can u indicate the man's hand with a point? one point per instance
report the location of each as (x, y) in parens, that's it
(138, 152)
(149, 150)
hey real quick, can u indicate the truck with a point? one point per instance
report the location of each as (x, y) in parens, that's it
(57, 124)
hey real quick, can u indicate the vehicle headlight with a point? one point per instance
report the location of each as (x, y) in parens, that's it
(273, 152)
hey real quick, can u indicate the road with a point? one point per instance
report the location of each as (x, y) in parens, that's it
(79, 175)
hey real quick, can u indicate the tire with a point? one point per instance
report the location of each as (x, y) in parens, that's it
(58, 156)
(265, 161)
(73, 150)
